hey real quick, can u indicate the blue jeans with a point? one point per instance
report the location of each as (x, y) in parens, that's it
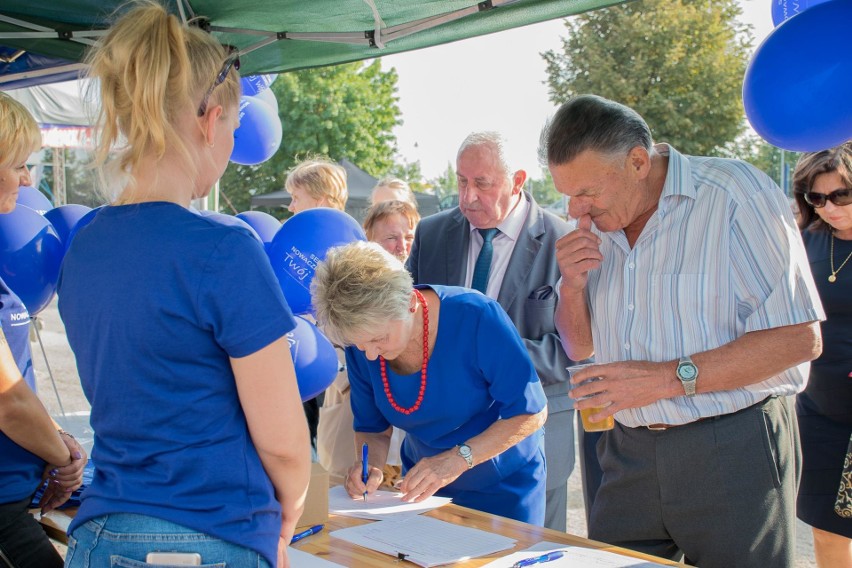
(124, 540)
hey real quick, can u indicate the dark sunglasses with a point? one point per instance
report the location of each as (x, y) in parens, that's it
(839, 197)
(233, 61)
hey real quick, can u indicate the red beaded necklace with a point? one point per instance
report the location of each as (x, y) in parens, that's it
(383, 366)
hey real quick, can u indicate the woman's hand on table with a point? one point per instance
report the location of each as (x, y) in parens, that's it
(431, 474)
(355, 486)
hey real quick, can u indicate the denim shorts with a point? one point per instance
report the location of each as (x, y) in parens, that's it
(124, 540)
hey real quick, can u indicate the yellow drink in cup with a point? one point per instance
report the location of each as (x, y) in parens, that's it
(589, 425)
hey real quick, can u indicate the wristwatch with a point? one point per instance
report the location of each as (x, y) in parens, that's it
(464, 451)
(687, 372)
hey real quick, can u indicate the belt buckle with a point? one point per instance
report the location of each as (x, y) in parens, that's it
(657, 427)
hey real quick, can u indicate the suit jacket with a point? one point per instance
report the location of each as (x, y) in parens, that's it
(528, 294)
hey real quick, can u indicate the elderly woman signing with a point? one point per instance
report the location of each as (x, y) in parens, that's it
(446, 365)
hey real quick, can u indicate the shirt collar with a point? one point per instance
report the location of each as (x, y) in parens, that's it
(514, 222)
(678, 176)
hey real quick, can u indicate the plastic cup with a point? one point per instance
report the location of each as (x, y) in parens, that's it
(590, 425)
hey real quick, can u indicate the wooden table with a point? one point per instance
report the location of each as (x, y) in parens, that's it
(347, 554)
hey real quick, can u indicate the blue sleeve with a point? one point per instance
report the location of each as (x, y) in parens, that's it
(368, 418)
(239, 298)
(505, 363)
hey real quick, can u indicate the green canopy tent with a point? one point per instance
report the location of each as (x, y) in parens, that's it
(283, 35)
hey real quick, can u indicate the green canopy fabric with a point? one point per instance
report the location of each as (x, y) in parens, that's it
(283, 35)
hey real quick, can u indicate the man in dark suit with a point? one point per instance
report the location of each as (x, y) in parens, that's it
(520, 272)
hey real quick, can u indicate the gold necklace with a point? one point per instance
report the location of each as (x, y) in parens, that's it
(833, 277)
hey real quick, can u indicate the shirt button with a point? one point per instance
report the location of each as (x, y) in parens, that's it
(630, 307)
(627, 346)
(631, 266)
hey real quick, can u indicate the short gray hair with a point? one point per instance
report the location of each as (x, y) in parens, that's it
(359, 288)
(488, 138)
(590, 122)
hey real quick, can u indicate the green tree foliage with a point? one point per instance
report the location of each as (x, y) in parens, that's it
(543, 190)
(679, 63)
(345, 111)
(445, 187)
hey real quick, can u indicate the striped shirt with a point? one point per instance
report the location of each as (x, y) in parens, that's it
(719, 258)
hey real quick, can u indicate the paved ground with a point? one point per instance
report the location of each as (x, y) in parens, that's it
(61, 362)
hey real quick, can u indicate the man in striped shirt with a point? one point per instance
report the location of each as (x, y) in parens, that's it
(687, 280)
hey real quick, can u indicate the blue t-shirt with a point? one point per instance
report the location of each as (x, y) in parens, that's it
(155, 301)
(479, 372)
(20, 470)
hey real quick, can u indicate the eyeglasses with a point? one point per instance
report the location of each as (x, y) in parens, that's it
(839, 197)
(233, 61)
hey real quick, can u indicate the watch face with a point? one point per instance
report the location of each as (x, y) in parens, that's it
(687, 371)
(464, 451)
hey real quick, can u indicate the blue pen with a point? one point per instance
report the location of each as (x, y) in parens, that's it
(365, 469)
(538, 559)
(303, 534)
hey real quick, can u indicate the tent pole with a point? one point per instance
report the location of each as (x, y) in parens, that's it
(59, 196)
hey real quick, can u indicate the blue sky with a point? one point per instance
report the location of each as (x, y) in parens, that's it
(493, 82)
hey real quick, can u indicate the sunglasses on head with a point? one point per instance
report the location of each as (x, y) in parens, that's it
(232, 62)
(839, 197)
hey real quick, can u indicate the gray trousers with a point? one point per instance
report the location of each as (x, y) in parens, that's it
(721, 491)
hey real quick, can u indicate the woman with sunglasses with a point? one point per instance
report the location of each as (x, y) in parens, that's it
(821, 184)
(178, 325)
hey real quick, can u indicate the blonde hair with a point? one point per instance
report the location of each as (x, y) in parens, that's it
(19, 132)
(385, 209)
(397, 186)
(359, 288)
(153, 69)
(321, 179)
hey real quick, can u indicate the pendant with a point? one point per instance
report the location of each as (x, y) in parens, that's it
(832, 278)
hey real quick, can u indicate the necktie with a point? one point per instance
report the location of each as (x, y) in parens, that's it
(483, 261)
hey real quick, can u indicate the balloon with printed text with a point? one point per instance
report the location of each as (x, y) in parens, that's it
(796, 88)
(785, 9)
(30, 256)
(34, 199)
(253, 85)
(301, 243)
(259, 134)
(314, 358)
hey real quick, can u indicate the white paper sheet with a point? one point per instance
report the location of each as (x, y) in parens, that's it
(380, 506)
(302, 559)
(574, 557)
(425, 541)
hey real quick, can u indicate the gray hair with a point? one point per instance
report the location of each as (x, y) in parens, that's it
(359, 288)
(488, 138)
(590, 122)
(395, 184)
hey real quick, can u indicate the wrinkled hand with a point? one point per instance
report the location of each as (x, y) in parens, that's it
(577, 253)
(54, 495)
(629, 384)
(431, 474)
(355, 486)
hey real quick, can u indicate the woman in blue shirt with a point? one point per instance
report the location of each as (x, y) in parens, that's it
(446, 365)
(178, 324)
(29, 440)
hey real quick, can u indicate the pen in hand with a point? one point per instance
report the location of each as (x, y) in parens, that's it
(538, 559)
(365, 468)
(303, 534)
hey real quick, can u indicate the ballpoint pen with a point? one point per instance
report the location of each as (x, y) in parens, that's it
(538, 559)
(365, 471)
(313, 530)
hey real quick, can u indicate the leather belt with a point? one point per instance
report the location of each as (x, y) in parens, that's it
(661, 427)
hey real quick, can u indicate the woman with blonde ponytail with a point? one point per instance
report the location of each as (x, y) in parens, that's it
(178, 323)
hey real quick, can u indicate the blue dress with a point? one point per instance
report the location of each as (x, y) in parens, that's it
(479, 372)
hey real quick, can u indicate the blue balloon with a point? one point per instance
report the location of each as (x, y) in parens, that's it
(797, 87)
(301, 243)
(264, 224)
(314, 358)
(259, 134)
(30, 256)
(255, 84)
(268, 97)
(231, 222)
(84, 220)
(65, 217)
(786, 9)
(34, 199)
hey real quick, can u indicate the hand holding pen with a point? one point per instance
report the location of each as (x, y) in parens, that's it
(365, 467)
